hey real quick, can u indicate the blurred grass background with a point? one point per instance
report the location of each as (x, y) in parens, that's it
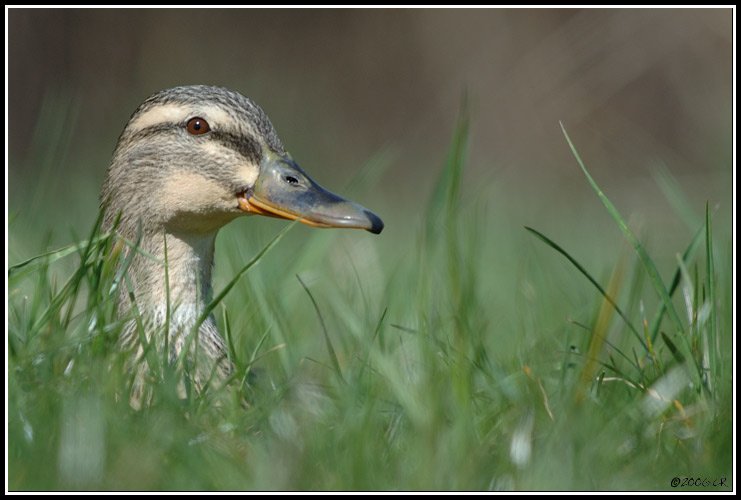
(367, 102)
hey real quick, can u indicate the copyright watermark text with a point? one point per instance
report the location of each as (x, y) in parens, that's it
(701, 482)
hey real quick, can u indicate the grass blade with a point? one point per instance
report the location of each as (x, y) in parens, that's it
(586, 274)
(370, 346)
(54, 255)
(710, 335)
(253, 358)
(447, 188)
(648, 264)
(68, 294)
(688, 252)
(673, 348)
(710, 270)
(330, 348)
(231, 351)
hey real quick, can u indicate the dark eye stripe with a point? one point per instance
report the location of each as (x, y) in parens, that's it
(248, 148)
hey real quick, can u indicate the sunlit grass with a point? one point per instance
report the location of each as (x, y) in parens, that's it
(376, 365)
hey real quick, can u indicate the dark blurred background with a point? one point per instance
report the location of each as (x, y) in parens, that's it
(638, 89)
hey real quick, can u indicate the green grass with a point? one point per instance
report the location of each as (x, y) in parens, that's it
(465, 354)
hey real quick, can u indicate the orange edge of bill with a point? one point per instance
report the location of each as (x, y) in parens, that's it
(254, 206)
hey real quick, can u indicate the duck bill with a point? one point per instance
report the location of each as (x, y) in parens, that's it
(284, 190)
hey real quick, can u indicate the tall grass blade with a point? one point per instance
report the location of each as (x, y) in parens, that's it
(710, 270)
(710, 335)
(648, 264)
(447, 188)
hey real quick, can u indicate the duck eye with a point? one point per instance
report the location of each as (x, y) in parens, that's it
(197, 126)
(291, 180)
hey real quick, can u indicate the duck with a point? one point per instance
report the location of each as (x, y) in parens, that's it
(190, 160)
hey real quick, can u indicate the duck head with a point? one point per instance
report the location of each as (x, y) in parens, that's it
(191, 159)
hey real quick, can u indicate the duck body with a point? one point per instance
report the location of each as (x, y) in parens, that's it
(190, 160)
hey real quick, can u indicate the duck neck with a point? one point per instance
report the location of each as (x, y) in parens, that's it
(175, 276)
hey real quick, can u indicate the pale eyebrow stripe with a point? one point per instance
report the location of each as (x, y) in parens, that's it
(173, 113)
(165, 113)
